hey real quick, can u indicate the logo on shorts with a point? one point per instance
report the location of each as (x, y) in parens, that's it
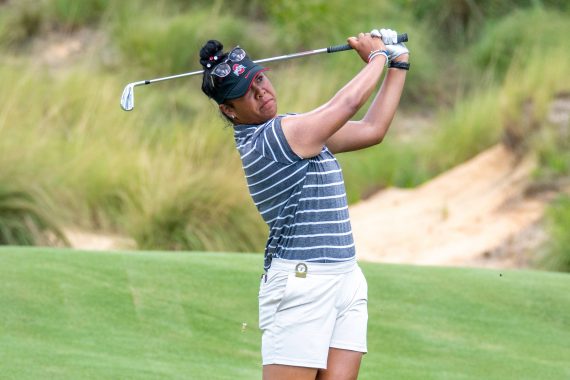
(301, 270)
(238, 69)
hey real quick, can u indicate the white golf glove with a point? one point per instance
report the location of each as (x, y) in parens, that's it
(389, 36)
(394, 51)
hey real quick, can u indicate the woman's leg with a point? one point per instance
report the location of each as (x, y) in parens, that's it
(341, 365)
(287, 372)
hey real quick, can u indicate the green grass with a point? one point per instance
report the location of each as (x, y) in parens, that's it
(147, 315)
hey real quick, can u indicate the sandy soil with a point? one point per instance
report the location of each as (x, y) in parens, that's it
(79, 239)
(465, 217)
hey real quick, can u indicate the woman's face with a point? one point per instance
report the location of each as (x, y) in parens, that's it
(258, 105)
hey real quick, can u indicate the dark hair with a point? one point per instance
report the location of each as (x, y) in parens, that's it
(210, 49)
(209, 81)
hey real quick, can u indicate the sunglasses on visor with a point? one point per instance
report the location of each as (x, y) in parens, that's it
(223, 69)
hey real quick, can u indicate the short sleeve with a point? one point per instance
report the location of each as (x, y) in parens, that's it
(272, 144)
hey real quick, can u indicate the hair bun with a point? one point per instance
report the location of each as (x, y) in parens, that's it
(210, 49)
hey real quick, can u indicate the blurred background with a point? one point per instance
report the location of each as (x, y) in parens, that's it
(166, 176)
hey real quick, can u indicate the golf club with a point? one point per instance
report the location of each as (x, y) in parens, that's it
(128, 97)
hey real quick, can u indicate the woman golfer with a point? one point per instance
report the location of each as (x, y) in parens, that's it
(313, 295)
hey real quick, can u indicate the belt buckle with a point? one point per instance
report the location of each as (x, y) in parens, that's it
(301, 270)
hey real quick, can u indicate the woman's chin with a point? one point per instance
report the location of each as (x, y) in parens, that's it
(270, 109)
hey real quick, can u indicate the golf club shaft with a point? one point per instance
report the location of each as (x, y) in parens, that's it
(331, 49)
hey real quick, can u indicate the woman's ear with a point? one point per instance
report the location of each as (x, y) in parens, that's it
(228, 111)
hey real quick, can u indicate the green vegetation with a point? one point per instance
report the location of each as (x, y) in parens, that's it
(23, 221)
(108, 170)
(167, 174)
(558, 218)
(143, 315)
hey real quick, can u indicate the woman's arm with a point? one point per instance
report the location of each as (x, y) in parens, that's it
(373, 127)
(307, 133)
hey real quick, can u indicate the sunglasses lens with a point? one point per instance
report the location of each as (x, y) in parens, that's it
(237, 55)
(222, 70)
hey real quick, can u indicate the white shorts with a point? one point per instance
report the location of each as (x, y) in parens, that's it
(302, 317)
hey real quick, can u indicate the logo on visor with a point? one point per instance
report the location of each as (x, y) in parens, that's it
(238, 69)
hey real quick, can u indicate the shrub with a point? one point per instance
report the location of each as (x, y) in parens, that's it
(552, 147)
(521, 36)
(472, 125)
(558, 220)
(460, 21)
(25, 219)
(172, 44)
(20, 21)
(528, 89)
(206, 214)
(72, 14)
(25, 19)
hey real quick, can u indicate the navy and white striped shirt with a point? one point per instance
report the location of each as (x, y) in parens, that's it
(303, 201)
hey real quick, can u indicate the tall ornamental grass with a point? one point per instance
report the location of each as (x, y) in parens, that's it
(25, 217)
(168, 181)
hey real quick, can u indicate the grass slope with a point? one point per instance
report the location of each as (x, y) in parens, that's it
(147, 315)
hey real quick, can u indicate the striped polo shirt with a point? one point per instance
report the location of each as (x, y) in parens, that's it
(303, 201)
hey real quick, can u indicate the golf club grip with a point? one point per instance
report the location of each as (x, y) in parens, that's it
(333, 49)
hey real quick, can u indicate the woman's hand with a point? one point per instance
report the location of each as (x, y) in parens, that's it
(373, 127)
(364, 44)
(398, 52)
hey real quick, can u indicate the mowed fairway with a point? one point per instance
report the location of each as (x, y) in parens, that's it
(156, 315)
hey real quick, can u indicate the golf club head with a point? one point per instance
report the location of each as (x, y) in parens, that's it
(128, 97)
